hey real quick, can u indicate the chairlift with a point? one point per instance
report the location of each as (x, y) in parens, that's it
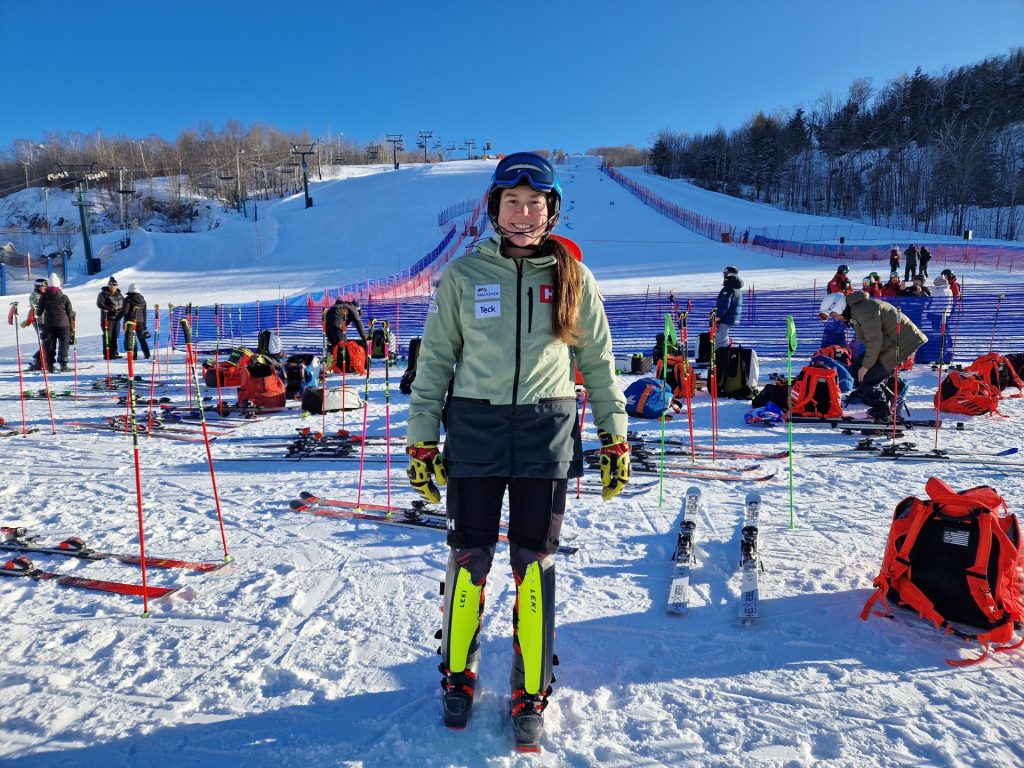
(225, 178)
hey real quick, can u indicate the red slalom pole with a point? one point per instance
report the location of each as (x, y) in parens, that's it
(583, 417)
(684, 334)
(190, 364)
(387, 405)
(46, 379)
(12, 319)
(366, 410)
(129, 329)
(942, 359)
(713, 383)
(896, 375)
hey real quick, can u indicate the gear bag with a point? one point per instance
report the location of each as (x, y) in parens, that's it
(648, 398)
(405, 385)
(996, 369)
(263, 388)
(966, 392)
(680, 376)
(349, 357)
(300, 371)
(737, 372)
(845, 378)
(382, 344)
(815, 392)
(954, 558)
(837, 352)
(339, 399)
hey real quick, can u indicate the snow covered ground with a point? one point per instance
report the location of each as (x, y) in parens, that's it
(315, 645)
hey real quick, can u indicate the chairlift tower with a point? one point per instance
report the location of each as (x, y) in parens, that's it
(470, 143)
(423, 141)
(303, 150)
(395, 140)
(80, 175)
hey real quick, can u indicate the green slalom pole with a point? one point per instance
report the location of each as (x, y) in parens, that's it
(670, 335)
(790, 349)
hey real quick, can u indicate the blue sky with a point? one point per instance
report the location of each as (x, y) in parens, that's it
(569, 75)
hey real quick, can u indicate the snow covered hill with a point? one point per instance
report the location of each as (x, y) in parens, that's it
(315, 645)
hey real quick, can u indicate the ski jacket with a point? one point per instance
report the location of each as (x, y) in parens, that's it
(338, 317)
(894, 260)
(874, 322)
(54, 309)
(111, 304)
(512, 411)
(954, 286)
(839, 284)
(892, 289)
(730, 300)
(135, 310)
(911, 256)
(924, 257)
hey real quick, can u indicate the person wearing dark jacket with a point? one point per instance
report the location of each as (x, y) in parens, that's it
(338, 317)
(894, 259)
(917, 289)
(923, 258)
(111, 305)
(56, 317)
(910, 269)
(33, 317)
(888, 336)
(728, 305)
(135, 311)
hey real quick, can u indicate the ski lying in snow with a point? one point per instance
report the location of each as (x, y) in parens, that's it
(647, 462)
(17, 540)
(307, 499)
(896, 454)
(851, 422)
(22, 566)
(652, 444)
(188, 436)
(410, 518)
(872, 444)
(723, 474)
(679, 591)
(750, 560)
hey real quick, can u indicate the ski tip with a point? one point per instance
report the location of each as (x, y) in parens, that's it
(753, 497)
(693, 490)
(307, 496)
(299, 506)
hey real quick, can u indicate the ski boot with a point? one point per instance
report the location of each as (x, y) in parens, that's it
(463, 592)
(528, 719)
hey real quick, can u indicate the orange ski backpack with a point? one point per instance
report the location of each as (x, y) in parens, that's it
(954, 558)
(996, 369)
(681, 376)
(349, 357)
(815, 392)
(966, 392)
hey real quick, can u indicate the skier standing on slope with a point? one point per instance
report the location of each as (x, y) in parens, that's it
(506, 326)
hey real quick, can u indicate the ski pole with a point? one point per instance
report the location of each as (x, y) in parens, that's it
(896, 375)
(387, 405)
(46, 376)
(995, 322)
(684, 320)
(74, 352)
(791, 344)
(323, 376)
(668, 335)
(366, 410)
(190, 364)
(130, 329)
(106, 345)
(583, 416)
(216, 361)
(942, 357)
(153, 368)
(713, 382)
(12, 319)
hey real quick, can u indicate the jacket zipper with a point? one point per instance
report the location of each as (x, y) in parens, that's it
(519, 329)
(529, 303)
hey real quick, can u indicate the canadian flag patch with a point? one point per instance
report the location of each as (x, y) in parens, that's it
(547, 294)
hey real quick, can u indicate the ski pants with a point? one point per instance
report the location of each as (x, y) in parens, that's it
(110, 330)
(55, 343)
(140, 340)
(722, 334)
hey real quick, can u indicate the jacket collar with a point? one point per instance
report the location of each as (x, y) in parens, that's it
(492, 248)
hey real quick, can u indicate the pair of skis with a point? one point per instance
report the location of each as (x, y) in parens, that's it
(749, 607)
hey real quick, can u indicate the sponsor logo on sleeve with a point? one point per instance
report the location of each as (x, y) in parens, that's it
(488, 292)
(432, 307)
(488, 309)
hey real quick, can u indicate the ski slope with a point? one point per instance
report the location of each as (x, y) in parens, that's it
(315, 645)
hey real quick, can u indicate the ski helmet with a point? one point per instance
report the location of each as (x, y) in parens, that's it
(529, 168)
(730, 271)
(834, 302)
(843, 269)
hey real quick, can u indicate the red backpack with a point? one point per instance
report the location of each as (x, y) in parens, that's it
(837, 352)
(349, 357)
(996, 369)
(966, 392)
(954, 558)
(681, 376)
(815, 392)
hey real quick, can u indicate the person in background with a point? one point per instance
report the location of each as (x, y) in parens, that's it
(951, 280)
(869, 286)
(917, 288)
(894, 259)
(728, 305)
(923, 258)
(878, 282)
(894, 287)
(509, 321)
(135, 311)
(910, 269)
(338, 318)
(889, 338)
(56, 318)
(39, 287)
(840, 282)
(110, 302)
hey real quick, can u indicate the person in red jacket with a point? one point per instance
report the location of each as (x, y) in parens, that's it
(954, 286)
(893, 287)
(840, 283)
(870, 287)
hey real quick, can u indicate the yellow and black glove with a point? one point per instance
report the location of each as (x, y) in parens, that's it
(426, 470)
(614, 464)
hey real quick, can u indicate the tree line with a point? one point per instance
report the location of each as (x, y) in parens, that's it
(931, 153)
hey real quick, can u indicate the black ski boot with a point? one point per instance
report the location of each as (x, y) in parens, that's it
(528, 719)
(457, 699)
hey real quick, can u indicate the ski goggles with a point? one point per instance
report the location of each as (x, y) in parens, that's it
(514, 169)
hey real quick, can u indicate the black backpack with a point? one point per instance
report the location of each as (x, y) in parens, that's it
(405, 385)
(737, 370)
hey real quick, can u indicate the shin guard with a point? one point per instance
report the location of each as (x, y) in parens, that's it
(533, 622)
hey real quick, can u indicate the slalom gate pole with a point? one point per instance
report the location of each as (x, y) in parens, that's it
(684, 321)
(190, 365)
(216, 362)
(791, 344)
(170, 339)
(46, 377)
(74, 354)
(958, 307)
(995, 322)
(669, 335)
(366, 410)
(12, 319)
(188, 379)
(896, 375)
(153, 368)
(323, 375)
(106, 346)
(583, 417)
(713, 382)
(387, 404)
(129, 328)
(942, 359)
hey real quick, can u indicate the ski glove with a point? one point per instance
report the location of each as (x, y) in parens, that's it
(426, 470)
(614, 464)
